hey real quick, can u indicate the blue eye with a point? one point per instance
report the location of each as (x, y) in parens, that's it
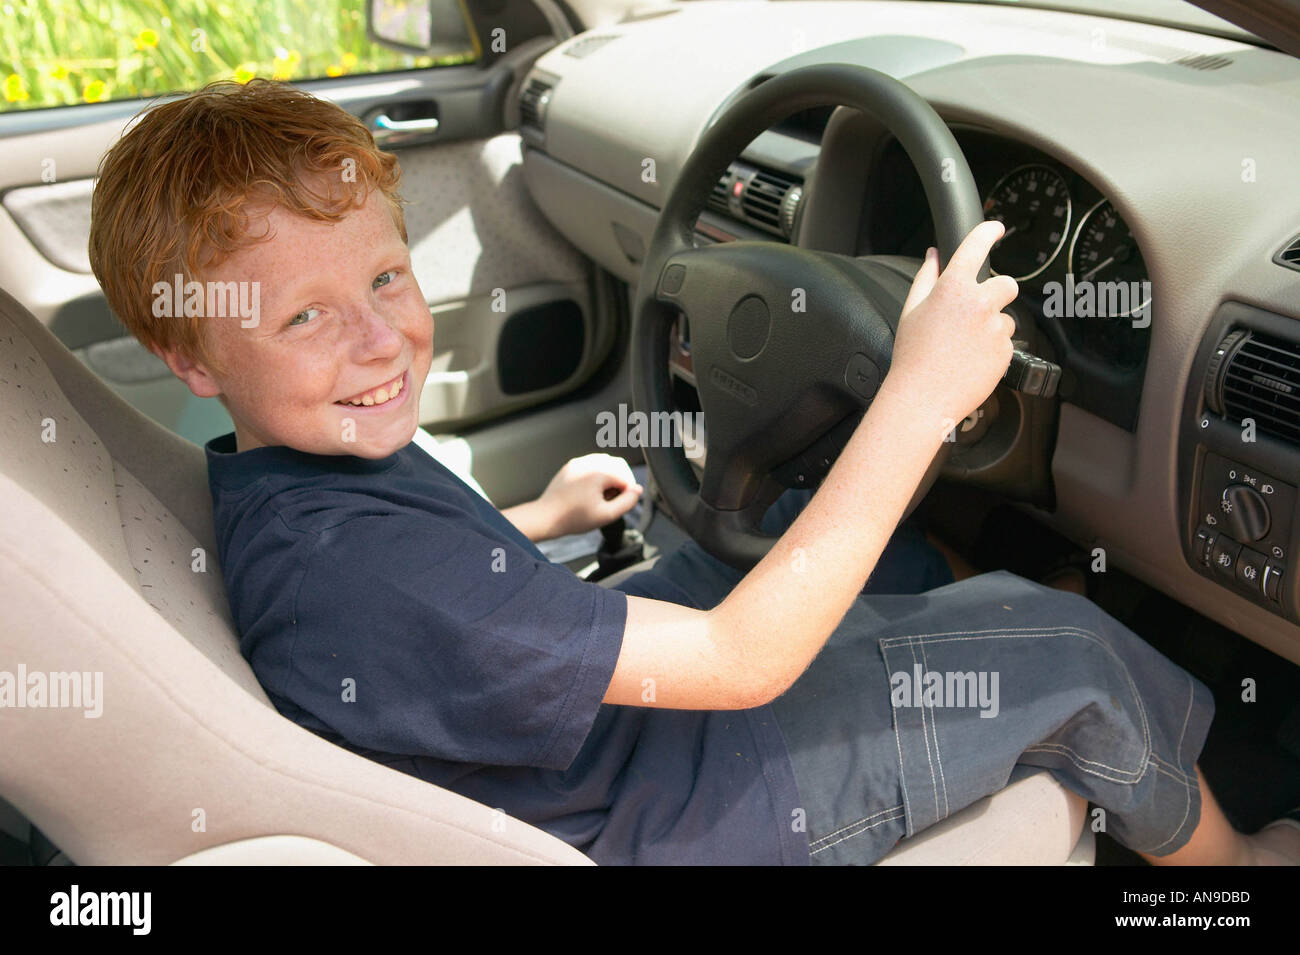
(310, 311)
(379, 278)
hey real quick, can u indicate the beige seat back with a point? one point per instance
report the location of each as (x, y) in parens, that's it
(108, 570)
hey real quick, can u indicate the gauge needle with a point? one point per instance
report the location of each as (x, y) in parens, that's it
(1088, 275)
(1006, 235)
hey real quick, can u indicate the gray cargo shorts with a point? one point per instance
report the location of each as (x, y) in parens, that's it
(931, 694)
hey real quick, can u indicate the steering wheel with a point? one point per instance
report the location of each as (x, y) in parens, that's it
(788, 345)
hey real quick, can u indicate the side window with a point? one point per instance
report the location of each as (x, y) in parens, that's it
(54, 53)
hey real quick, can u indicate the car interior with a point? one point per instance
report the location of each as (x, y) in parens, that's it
(1149, 443)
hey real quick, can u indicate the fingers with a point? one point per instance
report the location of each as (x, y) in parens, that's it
(614, 490)
(924, 280)
(1001, 290)
(974, 249)
(620, 504)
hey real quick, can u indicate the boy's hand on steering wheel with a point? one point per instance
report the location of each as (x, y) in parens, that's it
(954, 341)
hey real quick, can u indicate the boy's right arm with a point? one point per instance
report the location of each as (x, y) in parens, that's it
(953, 346)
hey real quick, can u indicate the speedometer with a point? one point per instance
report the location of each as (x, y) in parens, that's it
(1033, 202)
(1104, 252)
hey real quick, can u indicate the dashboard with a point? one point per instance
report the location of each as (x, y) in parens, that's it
(1147, 182)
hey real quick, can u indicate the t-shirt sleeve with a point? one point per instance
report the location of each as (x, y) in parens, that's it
(421, 637)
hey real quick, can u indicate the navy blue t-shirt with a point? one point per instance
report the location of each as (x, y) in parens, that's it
(388, 608)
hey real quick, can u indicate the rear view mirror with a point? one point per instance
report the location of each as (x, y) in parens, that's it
(430, 27)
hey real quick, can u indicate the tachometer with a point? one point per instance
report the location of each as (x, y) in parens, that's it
(1104, 251)
(1033, 202)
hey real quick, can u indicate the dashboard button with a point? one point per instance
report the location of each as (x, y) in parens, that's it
(1223, 556)
(862, 375)
(1250, 569)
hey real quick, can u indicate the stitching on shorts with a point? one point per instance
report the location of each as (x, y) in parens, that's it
(1171, 768)
(1181, 781)
(938, 757)
(858, 822)
(925, 736)
(1178, 752)
(1027, 632)
(1125, 776)
(1187, 811)
(898, 743)
(852, 834)
(1187, 789)
(994, 630)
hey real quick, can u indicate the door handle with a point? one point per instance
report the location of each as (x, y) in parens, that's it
(398, 132)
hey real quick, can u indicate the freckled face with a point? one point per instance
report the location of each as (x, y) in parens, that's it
(340, 315)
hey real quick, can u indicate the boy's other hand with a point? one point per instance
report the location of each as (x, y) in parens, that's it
(587, 493)
(953, 343)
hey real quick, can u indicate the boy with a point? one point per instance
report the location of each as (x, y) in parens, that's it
(689, 715)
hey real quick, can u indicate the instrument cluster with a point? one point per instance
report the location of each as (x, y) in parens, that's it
(1081, 271)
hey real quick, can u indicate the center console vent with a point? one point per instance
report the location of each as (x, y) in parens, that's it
(760, 198)
(532, 104)
(763, 197)
(1257, 376)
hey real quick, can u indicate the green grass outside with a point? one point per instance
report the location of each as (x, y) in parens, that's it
(63, 52)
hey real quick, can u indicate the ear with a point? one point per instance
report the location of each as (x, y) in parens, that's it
(195, 374)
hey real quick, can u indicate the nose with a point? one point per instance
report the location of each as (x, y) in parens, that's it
(372, 333)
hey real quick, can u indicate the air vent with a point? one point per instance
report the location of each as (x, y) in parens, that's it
(719, 197)
(533, 102)
(1257, 376)
(762, 199)
(1204, 61)
(584, 46)
(1290, 255)
(768, 201)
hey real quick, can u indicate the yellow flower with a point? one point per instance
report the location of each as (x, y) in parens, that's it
(284, 63)
(93, 91)
(333, 70)
(59, 73)
(15, 90)
(349, 60)
(245, 72)
(146, 38)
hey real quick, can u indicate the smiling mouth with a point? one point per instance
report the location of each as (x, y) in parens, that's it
(382, 395)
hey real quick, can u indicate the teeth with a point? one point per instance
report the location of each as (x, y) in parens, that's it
(378, 396)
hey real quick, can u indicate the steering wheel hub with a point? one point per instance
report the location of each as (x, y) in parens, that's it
(748, 327)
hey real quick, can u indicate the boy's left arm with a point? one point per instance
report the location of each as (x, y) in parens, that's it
(587, 493)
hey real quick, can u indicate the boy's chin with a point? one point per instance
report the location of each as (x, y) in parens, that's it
(376, 446)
